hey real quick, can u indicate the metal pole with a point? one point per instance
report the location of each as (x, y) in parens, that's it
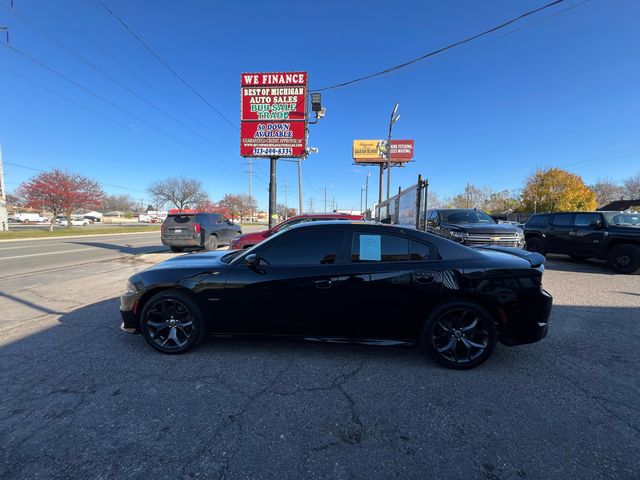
(366, 193)
(361, 192)
(380, 186)
(391, 122)
(272, 192)
(418, 198)
(299, 187)
(4, 217)
(251, 207)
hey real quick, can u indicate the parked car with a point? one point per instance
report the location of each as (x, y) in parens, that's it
(206, 231)
(92, 219)
(250, 239)
(347, 281)
(611, 236)
(473, 227)
(75, 222)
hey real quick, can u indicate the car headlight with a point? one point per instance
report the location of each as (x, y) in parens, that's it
(131, 288)
(460, 235)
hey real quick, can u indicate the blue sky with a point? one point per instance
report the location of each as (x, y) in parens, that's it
(560, 92)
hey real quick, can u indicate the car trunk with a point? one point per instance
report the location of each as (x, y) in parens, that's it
(181, 226)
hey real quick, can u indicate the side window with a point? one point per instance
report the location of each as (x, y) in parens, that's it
(562, 219)
(419, 251)
(538, 221)
(586, 219)
(304, 248)
(375, 247)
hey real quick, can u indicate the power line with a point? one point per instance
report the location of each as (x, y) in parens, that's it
(108, 76)
(130, 71)
(443, 49)
(161, 60)
(116, 122)
(102, 183)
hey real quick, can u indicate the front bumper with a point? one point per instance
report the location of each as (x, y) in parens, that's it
(526, 322)
(128, 303)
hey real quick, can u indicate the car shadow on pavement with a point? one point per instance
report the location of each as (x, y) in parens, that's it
(128, 249)
(564, 263)
(29, 304)
(85, 400)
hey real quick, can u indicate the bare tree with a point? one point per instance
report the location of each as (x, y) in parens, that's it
(248, 205)
(472, 197)
(607, 191)
(178, 191)
(122, 203)
(632, 187)
(232, 204)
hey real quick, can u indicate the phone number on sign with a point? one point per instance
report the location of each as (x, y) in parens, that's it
(273, 151)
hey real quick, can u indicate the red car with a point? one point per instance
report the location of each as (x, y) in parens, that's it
(250, 239)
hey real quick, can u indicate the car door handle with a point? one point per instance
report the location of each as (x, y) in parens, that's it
(323, 284)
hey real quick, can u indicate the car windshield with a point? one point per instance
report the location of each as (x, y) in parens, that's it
(465, 216)
(622, 218)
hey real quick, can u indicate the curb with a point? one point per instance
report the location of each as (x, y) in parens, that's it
(62, 237)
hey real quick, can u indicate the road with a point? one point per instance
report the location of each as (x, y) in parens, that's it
(82, 400)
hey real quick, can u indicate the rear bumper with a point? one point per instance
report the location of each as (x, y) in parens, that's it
(526, 322)
(181, 242)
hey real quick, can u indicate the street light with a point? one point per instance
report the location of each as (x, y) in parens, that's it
(366, 192)
(393, 119)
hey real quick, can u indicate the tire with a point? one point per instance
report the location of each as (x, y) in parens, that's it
(453, 330)
(624, 259)
(171, 322)
(536, 245)
(212, 243)
(177, 249)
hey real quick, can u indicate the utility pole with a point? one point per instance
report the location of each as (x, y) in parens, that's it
(272, 192)
(286, 199)
(250, 196)
(361, 192)
(4, 218)
(393, 119)
(311, 205)
(325, 199)
(333, 205)
(366, 192)
(299, 187)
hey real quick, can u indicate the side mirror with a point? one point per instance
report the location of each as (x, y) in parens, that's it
(251, 259)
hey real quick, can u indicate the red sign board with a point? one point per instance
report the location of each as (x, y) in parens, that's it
(273, 114)
(401, 150)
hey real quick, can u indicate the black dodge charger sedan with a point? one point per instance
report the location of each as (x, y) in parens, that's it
(342, 281)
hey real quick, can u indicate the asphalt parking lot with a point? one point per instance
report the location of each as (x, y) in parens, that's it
(81, 400)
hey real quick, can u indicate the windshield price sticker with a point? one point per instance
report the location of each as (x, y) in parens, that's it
(370, 248)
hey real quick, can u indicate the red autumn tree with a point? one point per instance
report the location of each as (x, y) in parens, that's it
(61, 192)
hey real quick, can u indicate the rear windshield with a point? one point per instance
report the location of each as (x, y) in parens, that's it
(179, 219)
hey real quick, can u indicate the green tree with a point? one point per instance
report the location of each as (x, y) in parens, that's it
(556, 190)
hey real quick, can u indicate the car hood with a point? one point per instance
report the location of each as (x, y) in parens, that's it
(626, 229)
(496, 228)
(196, 261)
(498, 253)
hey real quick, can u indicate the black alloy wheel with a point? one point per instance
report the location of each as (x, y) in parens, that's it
(536, 245)
(460, 335)
(171, 322)
(212, 243)
(624, 259)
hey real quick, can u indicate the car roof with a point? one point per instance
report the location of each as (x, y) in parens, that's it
(327, 215)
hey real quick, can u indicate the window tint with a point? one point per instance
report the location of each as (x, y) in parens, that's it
(304, 248)
(418, 251)
(180, 219)
(538, 221)
(586, 219)
(373, 247)
(562, 219)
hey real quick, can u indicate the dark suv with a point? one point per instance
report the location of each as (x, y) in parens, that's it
(473, 227)
(611, 236)
(206, 231)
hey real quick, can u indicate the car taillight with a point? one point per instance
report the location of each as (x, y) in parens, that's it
(163, 227)
(197, 228)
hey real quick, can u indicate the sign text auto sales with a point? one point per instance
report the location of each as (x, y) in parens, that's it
(273, 114)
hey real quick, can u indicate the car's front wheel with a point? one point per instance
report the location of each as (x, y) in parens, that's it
(171, 322)
(459, 335)
(624, 259)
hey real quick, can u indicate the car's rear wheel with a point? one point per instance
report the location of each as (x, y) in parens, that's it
(171, 322)
(459, 335)
(624, 259)
(212, 243)
(177, 249)
(536, 245)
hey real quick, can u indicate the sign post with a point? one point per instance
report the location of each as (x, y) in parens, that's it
(273, 120)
